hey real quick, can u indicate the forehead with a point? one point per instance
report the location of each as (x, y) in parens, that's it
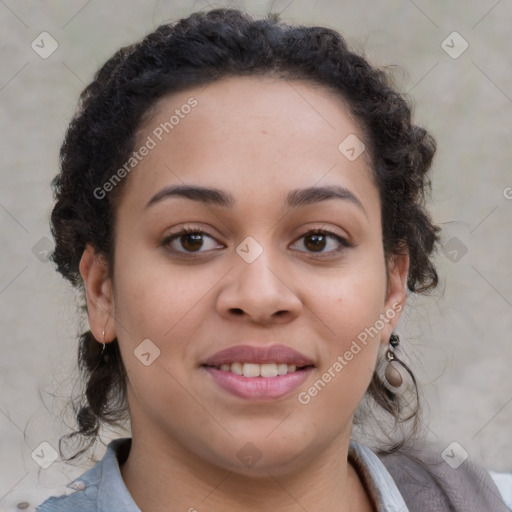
(265, 133)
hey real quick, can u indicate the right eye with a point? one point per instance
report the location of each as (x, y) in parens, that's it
(189, 241)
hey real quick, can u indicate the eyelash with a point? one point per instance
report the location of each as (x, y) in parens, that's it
(344, 244)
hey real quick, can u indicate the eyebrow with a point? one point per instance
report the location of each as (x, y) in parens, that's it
(196, 193)
(311, 195)
(294, 199)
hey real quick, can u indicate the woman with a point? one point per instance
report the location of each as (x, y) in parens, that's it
(243, 204)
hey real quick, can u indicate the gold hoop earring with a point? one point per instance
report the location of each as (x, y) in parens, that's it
(103, 336)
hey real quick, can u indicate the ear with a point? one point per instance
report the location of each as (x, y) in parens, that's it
(396, 293)
(98, 290)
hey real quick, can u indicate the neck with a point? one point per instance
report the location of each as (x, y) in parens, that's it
(162, 477)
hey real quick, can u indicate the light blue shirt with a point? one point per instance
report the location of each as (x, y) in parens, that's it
(102, 489)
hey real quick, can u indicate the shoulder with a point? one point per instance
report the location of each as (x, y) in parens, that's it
(78, 497)
(99, 488)
(445, 478)
(81, 495)
(28, 499)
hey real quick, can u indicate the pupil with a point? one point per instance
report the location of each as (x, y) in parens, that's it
(315, 242)
(195, 240)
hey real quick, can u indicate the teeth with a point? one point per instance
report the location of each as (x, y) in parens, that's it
(282, 369)
(251, 370)
(259, 370)
(268, 370)
(236, 368)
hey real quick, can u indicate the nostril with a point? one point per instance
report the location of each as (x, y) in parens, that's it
(237, 311)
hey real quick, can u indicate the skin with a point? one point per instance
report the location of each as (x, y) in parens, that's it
(186, 430)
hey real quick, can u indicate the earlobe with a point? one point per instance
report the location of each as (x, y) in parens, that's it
(98, 285)
(398, 269)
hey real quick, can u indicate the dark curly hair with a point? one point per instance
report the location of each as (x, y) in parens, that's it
(198, 50)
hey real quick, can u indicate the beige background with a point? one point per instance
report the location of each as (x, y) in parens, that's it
(458, 341)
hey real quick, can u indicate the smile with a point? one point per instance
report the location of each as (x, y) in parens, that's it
(266, 370)
(251, 385)
(258, 372)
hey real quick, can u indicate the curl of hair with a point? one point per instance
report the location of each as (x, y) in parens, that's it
(195, 51)
(104, 399)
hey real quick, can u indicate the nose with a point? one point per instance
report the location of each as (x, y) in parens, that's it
(259, 292)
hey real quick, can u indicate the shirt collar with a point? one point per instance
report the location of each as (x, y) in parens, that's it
(376, 479)
(112, 492)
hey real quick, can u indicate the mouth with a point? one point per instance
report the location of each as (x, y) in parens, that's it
(258, 373)
(264, 370)
(259, 355)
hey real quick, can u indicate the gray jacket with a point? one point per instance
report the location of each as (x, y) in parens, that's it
(428, 483)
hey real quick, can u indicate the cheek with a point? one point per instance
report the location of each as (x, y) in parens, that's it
(353, 299)
(159, 302)
(351, 307)
(166, 312)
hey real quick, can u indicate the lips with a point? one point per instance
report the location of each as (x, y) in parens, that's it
(259, 355)
(258, 373)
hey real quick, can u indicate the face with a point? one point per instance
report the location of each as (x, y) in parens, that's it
(246, 241)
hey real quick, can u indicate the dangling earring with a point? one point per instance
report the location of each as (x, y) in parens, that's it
(103, 341)
(103, 337)
(392, 375)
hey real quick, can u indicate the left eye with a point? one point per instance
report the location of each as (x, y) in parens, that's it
(321, 242)
(191, 241)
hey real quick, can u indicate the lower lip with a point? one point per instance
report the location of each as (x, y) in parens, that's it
(258, 388)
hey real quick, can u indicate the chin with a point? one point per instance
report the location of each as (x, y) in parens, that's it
(263, 458)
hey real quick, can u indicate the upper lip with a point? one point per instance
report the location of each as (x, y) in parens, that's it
(259, 355)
